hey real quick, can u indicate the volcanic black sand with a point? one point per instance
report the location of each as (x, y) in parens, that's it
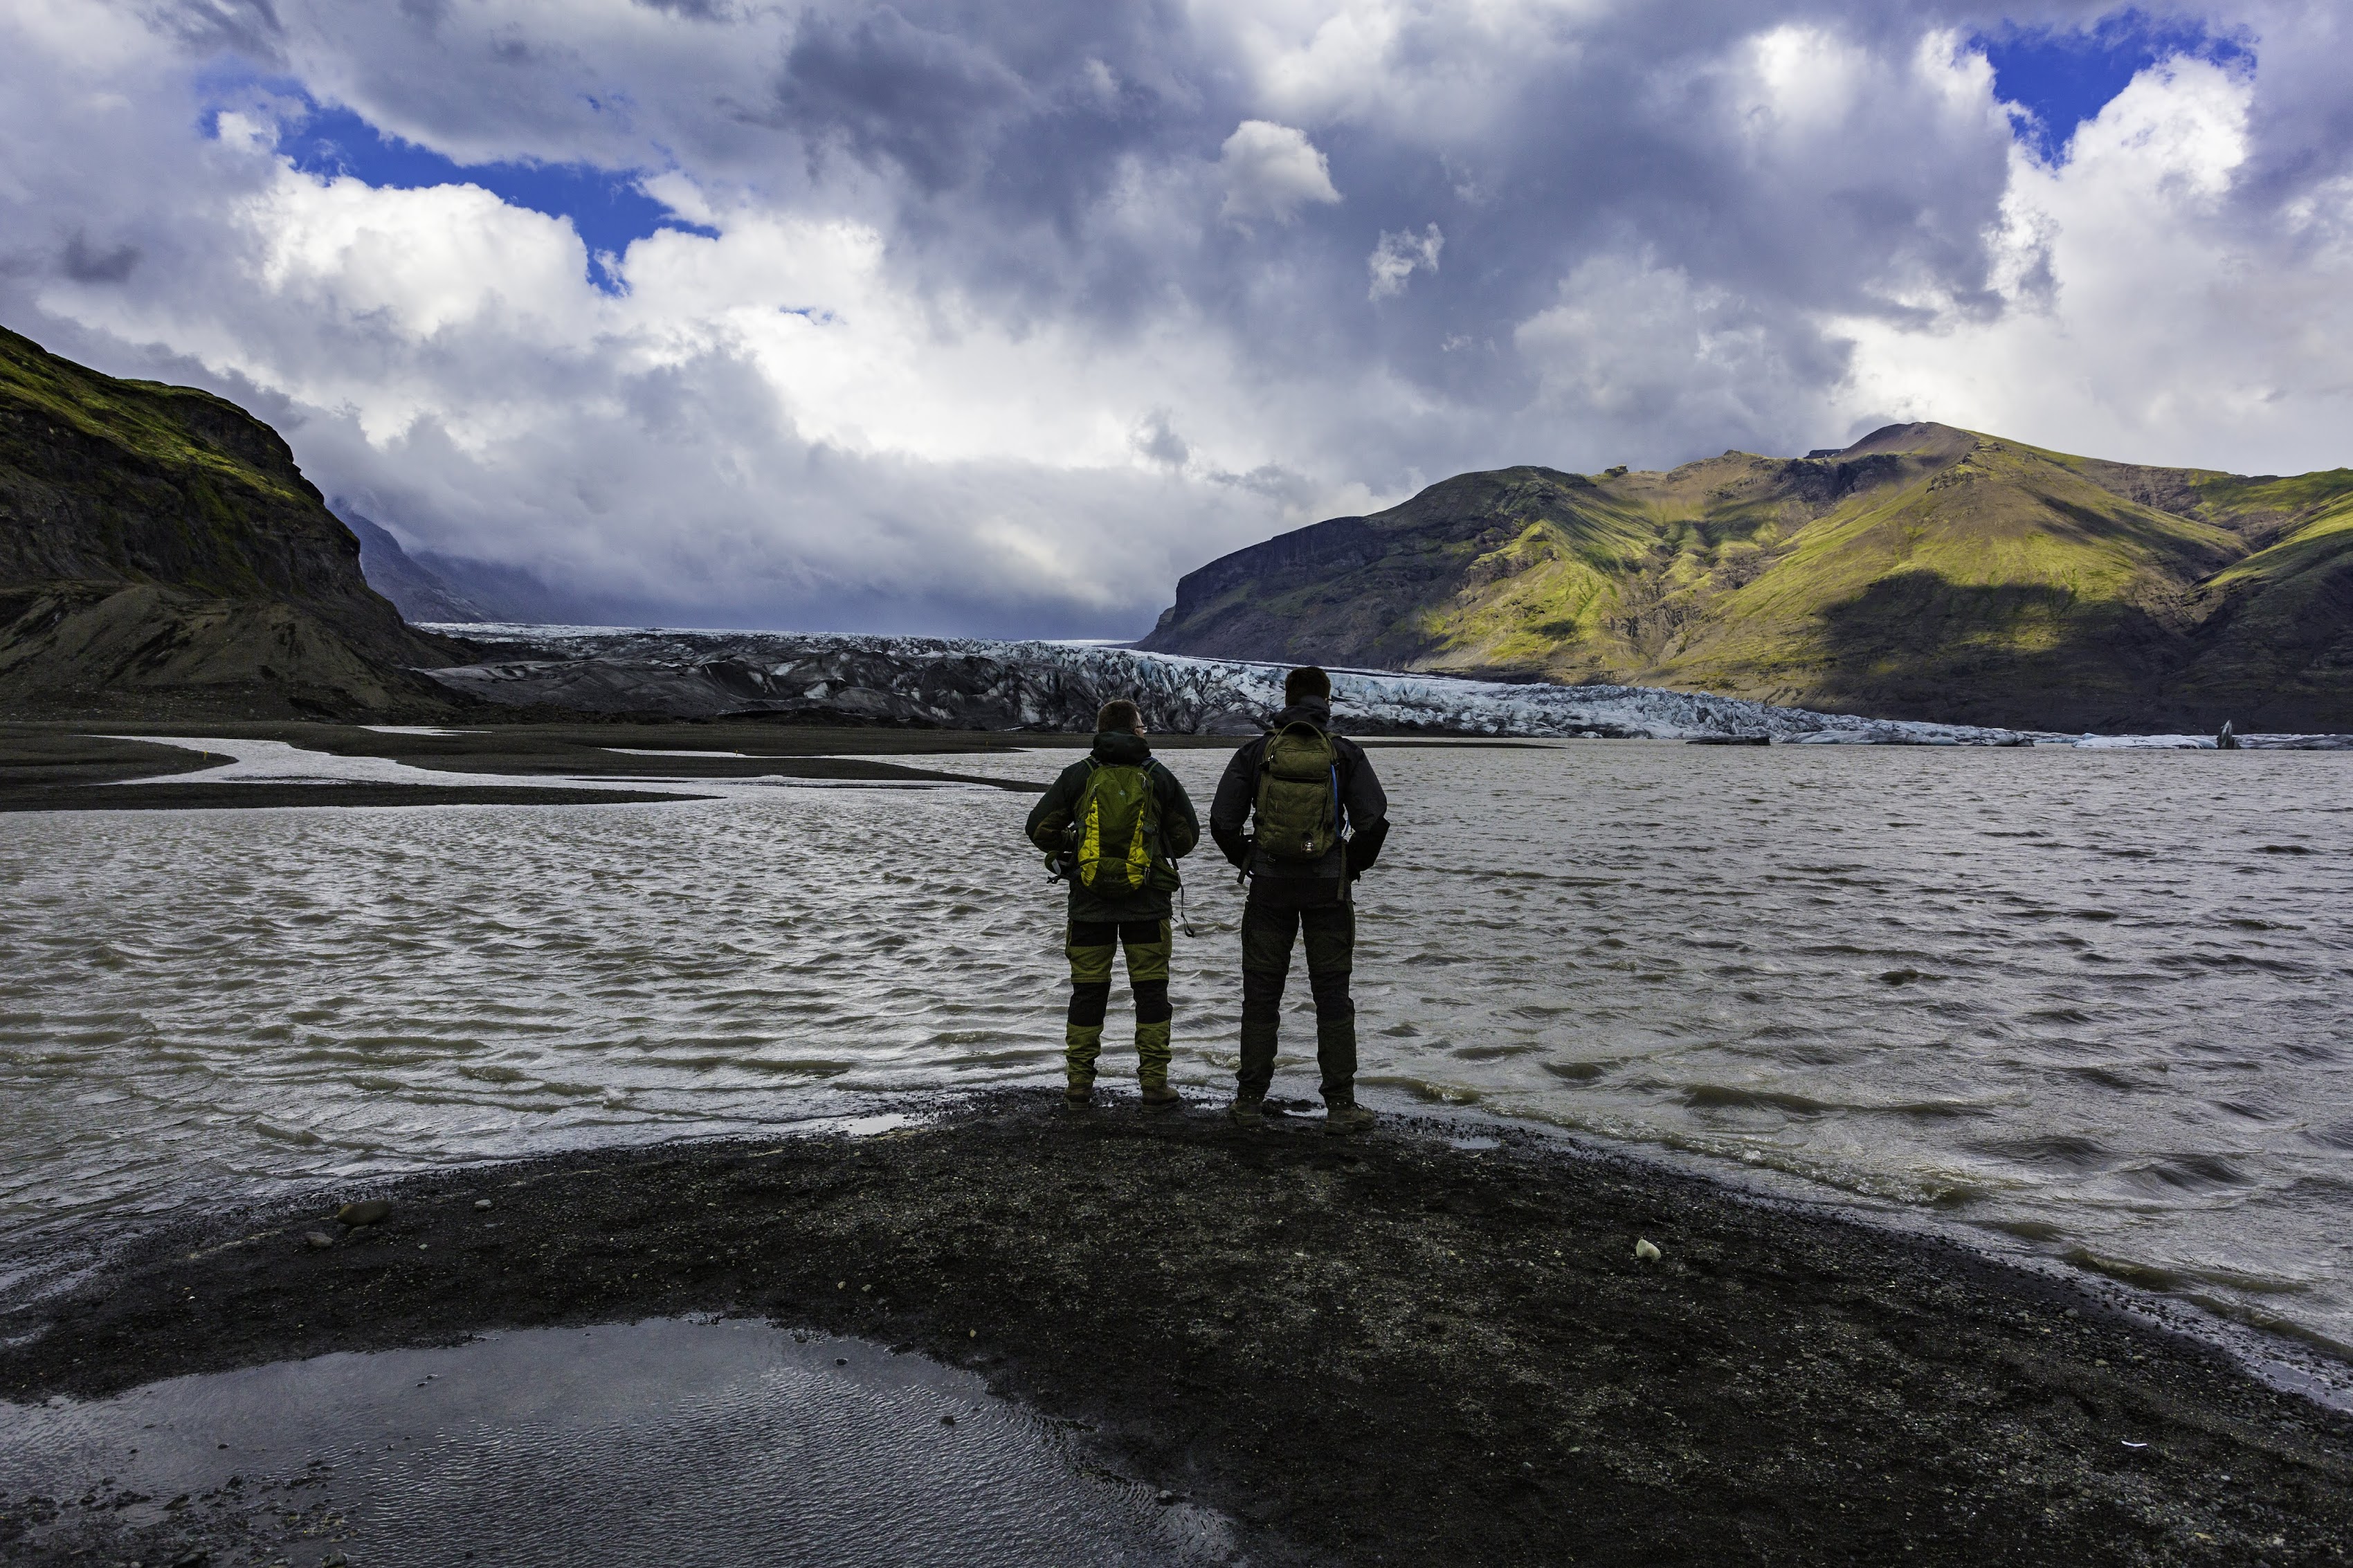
(1386, 1350)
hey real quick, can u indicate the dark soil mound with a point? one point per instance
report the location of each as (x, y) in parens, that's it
(1384, 1351)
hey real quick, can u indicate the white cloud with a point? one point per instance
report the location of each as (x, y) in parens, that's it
(980, 340)
(1271, 171)
(1398, 257)
(2153, 317)
(1632, 345)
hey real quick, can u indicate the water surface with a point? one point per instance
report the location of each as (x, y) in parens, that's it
(2092, 1004)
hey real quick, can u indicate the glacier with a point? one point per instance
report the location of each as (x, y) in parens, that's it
(970, 683)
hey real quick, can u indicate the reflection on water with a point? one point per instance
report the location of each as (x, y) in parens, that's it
(2096, 1004)
(659, 1443)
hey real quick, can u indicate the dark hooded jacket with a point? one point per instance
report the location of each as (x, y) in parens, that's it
(1364, 813)
(1180, 828)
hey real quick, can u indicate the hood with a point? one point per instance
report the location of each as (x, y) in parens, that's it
(1121, 747)
(1310, 710)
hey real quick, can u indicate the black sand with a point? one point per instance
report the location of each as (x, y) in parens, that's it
(1389, 1349)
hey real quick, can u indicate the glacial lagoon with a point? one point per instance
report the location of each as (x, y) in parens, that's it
(2095, 1007)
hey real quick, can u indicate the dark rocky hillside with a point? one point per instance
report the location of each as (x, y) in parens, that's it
(420, 594)
(1924, 573)
(161, 552)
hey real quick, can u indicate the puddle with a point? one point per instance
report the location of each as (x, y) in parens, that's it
(666, 1442)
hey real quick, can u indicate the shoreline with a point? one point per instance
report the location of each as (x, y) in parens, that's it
(54, 767)
(1382, 1349)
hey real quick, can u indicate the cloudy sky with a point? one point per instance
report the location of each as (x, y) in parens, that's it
(996, 315)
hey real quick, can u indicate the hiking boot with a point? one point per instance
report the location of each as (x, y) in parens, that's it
(1160, 1097)
(1346, 1116)
(1078, 1094)
(1248, 1110)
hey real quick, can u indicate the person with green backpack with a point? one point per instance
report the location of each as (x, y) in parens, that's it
(1113, 826)
(1301, 813)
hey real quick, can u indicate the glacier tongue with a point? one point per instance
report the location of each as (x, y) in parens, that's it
(967, 683)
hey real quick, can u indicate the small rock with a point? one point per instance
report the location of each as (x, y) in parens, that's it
(948, 1420)
(368, 1211)
(317, 1240)
(1164, 1499)
(1645, 1251)
(480, 1204)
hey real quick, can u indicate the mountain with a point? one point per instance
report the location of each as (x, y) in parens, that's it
(417, 591)
(160, 553)
(429, 587)
(1923, 572)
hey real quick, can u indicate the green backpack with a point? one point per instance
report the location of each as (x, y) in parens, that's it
(1116, 825)
(1298, 795)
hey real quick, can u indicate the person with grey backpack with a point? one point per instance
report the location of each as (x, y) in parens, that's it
(1301, 813)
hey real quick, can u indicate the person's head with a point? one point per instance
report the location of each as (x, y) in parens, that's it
(1119, 715)
(1307, 684)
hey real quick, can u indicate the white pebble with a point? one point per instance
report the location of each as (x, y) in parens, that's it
(1645, 1251)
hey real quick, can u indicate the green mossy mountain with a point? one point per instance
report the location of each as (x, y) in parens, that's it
(1923, 572)
(161, 552)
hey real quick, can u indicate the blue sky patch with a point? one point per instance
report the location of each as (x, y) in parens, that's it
(2066, 76)
(607, 208)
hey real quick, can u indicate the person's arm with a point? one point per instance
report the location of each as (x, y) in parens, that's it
(1180, 828)
(1229, 811)
(1051, 815)
(1367, 805)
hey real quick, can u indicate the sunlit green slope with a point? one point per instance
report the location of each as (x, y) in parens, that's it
(1923, 571)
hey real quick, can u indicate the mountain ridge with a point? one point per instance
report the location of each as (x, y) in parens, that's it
(1923, 571)
(161, 550)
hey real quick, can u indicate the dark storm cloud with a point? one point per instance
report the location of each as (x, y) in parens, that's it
(928, 101)
(1627, 132)
(85, 263)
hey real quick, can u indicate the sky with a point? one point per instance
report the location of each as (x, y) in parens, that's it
(995, 318)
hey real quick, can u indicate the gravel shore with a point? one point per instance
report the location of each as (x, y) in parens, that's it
(1391, 1349)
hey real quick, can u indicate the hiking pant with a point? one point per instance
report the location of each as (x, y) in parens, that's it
(1090, 947)
(1331, 941)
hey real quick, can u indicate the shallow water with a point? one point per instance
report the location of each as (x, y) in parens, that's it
(2094, 1004)
(657, 1443)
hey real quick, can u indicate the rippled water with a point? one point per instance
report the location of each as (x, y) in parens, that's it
(663, 1443)
(2093, 1002)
